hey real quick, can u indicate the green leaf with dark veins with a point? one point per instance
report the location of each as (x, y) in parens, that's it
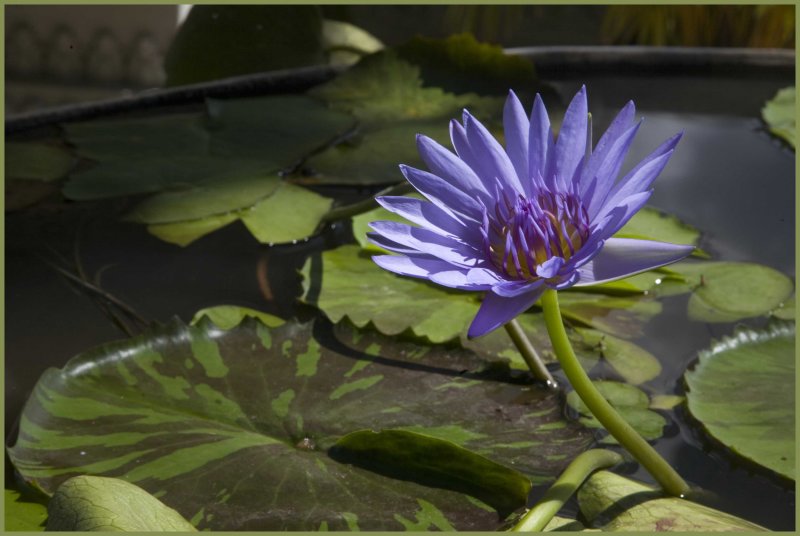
(614, 503)
(741, 390)
(92, 503)
(250, 413)
(230, 316)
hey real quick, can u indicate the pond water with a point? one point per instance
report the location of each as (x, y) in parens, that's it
(728, 178)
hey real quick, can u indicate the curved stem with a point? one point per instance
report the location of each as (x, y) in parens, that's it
(529, 353)
(600, 408)
(537, 518)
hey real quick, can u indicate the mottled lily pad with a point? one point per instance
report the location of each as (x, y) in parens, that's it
(92, 503)
(780, 116)
(614, 503)
(742, 391)
(632, 404)
(635, 364)
(252, 411)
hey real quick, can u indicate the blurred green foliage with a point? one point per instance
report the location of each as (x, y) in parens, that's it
(700, 25)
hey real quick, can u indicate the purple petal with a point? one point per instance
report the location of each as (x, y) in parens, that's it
(496, 311)
(450, 167)
(458, 136)
(617, 128)
(482, 276)
(442, 194)
(622, 257)
(516, 127)
(421, 267)
(621, 212)
(431, 217)
(511, 289)
(550, 267)
(606, 171)
(638, 181)
(389, 245)
(425, 241)
(457, 279)
(571, 141)
(493, 161)
(540, 141)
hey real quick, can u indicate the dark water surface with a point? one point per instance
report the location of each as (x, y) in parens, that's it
(727, 178)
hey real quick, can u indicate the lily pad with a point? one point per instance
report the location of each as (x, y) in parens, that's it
(36, 161)
(346, 43)
(383, 88)
(615, 503)
(619, 315)
(731, 291)
(632, 404)
(351, 283)
(215, 423)
(23, 515)
(92, 503)
(786, 310)
(230, 316)
(635, 364)
(779, 115)
(372, 157)
(741, 390)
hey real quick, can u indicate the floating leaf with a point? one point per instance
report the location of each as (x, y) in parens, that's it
(36, 161)
(183, 233)
(786, 310)
(615, 503)
(91, 503)
(230, 316)
(459, 63)
(352, 284)
(373, 157)
(443, 464)
(620, 316)
(137, 138)
(730, 291)
(219, 41)
(666, 402)
(22, 515)
(631, 403)
(383, 88)
(779, 114)
(290, 213)
(277, 130)
(251, 413)
(635, 364)
(741, 390)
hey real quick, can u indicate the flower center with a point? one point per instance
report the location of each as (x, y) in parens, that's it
(522, 235)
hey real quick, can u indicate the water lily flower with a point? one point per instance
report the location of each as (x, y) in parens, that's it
(540, 213)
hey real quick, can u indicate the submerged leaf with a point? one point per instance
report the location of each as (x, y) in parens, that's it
(250, 413)
(91, 503)
(742, 391)
(615, 503)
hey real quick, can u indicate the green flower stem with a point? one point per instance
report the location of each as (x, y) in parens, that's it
(537, 518)
(529, 354)
(599, 406)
